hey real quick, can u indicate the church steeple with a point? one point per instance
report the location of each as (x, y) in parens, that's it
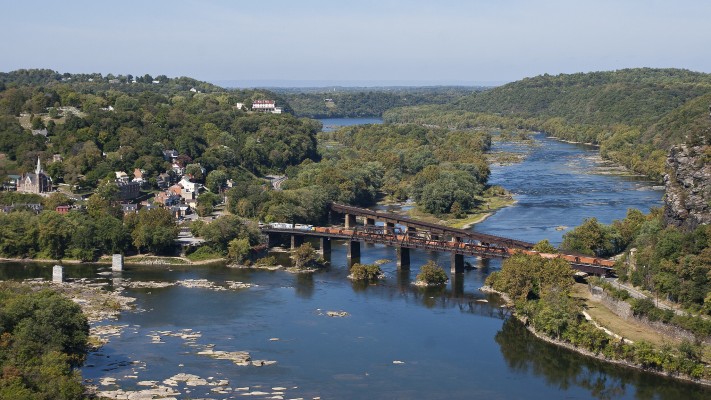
(38, 170)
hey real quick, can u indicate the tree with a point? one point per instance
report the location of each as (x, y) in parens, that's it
(238, 250)
(155, 230)
(216, 181)
(305, 257)
(432, 274)
(365, 272)
(195, 171)
(544, 246)
(206, 203)
(54, 234)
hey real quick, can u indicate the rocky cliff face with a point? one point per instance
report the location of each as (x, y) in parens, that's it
(687, 202)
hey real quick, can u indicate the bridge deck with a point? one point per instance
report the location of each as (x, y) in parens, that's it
(394, 237)
(430, 227)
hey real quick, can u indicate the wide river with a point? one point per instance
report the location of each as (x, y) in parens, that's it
(398, 341)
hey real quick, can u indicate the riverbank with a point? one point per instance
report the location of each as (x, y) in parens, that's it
(131, 260)
(488, 207)
(585, 352)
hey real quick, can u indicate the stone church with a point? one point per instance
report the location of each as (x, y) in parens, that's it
(37, 182)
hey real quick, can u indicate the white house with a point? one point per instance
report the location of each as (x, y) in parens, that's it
(121, 176)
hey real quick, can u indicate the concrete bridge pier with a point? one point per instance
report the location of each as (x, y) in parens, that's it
(457, 281)
(296, 241)
(57, 274)
(350, 221)
(117, 263)
(457, 263)
(353, 249)
(403, 258)
(325, 245)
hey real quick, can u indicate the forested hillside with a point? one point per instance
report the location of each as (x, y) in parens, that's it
(352, 103)
(98, 127)
(635, 115)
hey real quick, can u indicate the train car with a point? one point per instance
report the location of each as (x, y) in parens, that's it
(303, 227)
(281, 225)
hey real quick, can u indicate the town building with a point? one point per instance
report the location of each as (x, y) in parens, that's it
(129, 208)
(139, 176)
(128, 190)
(37, 182)
(63, 209)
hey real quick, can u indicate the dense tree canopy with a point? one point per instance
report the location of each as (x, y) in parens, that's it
(635, 115)
(43, 335)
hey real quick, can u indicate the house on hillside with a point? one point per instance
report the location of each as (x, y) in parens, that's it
(121, 176)
(163, 180)
(266, 106)
(170, 155)
(139, 176)
(167, 198)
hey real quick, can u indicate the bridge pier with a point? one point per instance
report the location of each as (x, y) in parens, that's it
(353, 249)
(457, 263)
(296, 241)
(403, 258)
(457, 281)
(350, 221)
(325, 245)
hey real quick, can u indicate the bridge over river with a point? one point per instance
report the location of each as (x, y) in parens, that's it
(405, 234)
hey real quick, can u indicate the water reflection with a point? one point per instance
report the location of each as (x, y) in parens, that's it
(304, 285)
(563, 370)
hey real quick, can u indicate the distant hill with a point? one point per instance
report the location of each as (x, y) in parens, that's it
(636, 115)
(366, 102)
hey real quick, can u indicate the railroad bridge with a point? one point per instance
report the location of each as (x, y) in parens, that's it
(405, 234)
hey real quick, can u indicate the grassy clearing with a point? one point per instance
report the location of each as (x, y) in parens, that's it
(629, 329)
(475, 216)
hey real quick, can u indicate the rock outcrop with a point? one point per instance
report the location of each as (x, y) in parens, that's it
(687, 202)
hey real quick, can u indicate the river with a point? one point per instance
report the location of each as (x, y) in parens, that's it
(398, 341)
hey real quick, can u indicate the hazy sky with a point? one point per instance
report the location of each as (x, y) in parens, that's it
(354, 42)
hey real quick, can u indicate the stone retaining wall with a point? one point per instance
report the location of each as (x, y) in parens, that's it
(623, 310)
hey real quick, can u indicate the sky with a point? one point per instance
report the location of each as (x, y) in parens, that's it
(354, 43)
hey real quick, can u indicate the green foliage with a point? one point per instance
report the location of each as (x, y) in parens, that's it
(147, 119)
(354, 102)
(203, 253)
(154, 231)
(619, 294)
(43, 336)
(544, 246)
(525, 277)
(634, 114)
(432, 274)
(220, 232)
(207, 202)
(366, 272)
(305, 257)
(239, 250)
(592, 238)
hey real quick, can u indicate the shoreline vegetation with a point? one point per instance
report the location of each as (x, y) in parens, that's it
(579, 350)
(541, 295)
